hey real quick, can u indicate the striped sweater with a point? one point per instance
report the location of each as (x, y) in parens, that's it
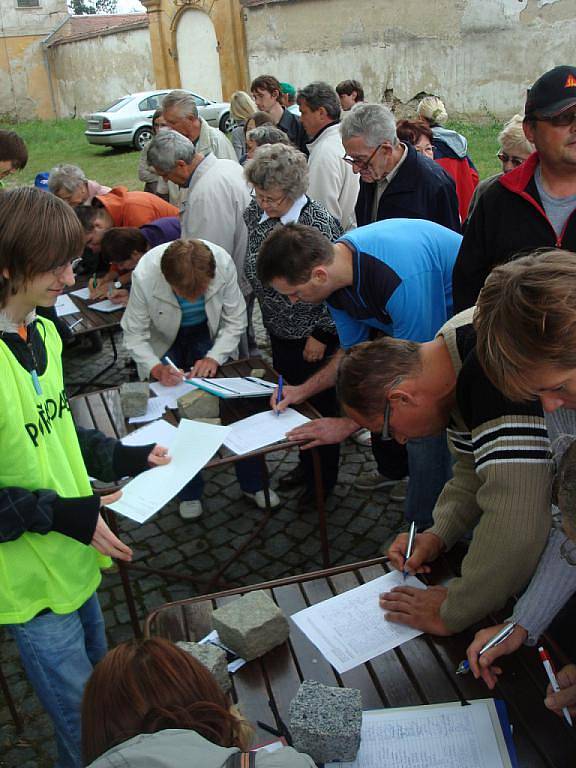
(500, 490)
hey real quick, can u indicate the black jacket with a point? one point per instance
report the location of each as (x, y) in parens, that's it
(293, 128)
(508, 221)
(420, 190)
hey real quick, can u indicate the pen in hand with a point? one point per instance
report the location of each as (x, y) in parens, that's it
(172, 365)
(410, 547)
(279, 395)
(94, 280)
(505, 632)
(546, 661)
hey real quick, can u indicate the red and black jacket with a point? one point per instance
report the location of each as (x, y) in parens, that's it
(509, 221)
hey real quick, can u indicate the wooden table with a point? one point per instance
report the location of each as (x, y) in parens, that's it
(88, 320)
(102, 410)
(421, 671)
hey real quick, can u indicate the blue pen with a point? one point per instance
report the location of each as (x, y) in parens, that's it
(279, 395)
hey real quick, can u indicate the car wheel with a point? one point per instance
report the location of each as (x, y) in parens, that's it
(227, 123)
(142, 136)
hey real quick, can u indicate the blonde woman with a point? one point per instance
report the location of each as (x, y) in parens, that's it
(242, 107)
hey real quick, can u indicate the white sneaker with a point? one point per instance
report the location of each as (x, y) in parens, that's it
(190, 510)
(259, 499)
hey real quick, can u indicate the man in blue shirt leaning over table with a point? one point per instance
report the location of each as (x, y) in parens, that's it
(393, 277)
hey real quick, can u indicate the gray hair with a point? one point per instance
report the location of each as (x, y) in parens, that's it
(267, 134)
(65, 176)
(278, 165)
(321, 94)
(512, 138)
(375, 123)
(432, 109)
(183, 101)
(167, 147)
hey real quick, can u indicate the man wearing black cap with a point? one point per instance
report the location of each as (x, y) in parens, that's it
(531, 206)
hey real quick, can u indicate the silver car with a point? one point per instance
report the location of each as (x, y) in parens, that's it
(128, 121)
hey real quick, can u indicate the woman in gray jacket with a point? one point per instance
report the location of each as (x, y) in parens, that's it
(149, 703)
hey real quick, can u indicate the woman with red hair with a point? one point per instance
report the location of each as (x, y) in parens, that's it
(149, 704)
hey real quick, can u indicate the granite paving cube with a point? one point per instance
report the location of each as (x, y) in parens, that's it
(134, 398)
(325, 722)
(251, 625)
(198, 404)
(213, 658)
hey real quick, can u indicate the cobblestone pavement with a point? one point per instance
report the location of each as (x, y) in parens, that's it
(358, 524)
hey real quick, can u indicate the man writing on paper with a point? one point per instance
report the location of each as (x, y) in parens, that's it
(500, 491)
(394, 276)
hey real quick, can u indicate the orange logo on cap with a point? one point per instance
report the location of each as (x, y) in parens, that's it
(570, 82)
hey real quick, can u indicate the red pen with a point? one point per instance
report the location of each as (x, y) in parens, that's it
(547, 662)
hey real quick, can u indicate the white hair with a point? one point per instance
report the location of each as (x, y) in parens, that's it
(183, 101)
(65, 176)
(375, 123)
(432, 109)
(167, 147)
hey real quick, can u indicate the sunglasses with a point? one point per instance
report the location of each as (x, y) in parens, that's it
(562, 120)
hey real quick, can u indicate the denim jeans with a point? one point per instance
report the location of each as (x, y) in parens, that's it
(191, 344)
(58, 652)
(430, 467)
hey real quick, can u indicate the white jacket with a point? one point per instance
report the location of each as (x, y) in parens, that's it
(332, 181)
(214, 209)
(152, 318)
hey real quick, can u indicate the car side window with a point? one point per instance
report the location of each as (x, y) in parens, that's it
(200, 102)
(147, 104)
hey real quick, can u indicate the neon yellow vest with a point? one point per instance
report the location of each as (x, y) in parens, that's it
(39, 450)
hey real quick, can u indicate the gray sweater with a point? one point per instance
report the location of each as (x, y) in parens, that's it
(555, 580)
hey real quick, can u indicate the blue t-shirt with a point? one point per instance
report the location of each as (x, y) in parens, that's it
(193, 312)
(402, 281)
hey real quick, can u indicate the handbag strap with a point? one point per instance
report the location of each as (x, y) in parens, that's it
(241, 760)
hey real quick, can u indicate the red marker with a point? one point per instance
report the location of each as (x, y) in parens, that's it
(547, 662)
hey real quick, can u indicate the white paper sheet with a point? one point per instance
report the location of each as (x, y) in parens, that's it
(231, 387)
(154, 410)
(160, 432)
(262, 429)
(82, 293)
(193, 447)
(437, 736)
(333, 624)
(106, 306)
(171, 394)
(65, 306)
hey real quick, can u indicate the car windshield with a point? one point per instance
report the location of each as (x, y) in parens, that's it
(118, 104)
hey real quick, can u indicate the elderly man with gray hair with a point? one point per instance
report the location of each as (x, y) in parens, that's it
(69, 183)
(332, 181)
(216, 194)
(395, 180)
(181, 114)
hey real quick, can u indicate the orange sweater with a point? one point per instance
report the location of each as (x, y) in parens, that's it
(133, 209)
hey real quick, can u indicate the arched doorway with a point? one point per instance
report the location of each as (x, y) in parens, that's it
(198, 57)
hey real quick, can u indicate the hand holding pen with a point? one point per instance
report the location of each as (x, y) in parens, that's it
(554, 687)
(493, 641)
(279, 394)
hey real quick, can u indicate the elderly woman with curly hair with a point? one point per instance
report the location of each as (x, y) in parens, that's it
(302, 335)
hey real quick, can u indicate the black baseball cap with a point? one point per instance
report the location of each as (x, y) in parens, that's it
(552, 93)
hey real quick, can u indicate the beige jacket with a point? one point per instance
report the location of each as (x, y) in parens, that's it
(152, 318)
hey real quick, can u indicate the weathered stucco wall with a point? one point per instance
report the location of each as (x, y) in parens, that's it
(90, 74)
(478, 55)
(24, 87)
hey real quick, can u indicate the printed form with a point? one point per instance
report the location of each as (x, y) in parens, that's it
(333, 624)
(193, 447)
(436, 736)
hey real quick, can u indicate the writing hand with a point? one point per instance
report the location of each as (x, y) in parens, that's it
(483, 666)
(166, 375)
(290, 396)
(427, 547)
(566, 696)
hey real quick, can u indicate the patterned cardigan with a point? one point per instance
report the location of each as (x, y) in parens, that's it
(282, 318)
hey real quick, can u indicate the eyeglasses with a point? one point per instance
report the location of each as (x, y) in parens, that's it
(265, 200)
(561, 120)
(362, 164)
(385, 433)
(514, 159)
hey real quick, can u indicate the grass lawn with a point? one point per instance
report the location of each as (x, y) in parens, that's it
(57, 141)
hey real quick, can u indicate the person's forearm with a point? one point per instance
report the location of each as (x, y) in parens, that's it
(551, 587)
(324, 379)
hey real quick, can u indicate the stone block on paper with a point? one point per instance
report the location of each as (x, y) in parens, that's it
(134, 398)
(258, 373)
(213, 658)
(325, 722)
(251, 625)
(198, 404)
